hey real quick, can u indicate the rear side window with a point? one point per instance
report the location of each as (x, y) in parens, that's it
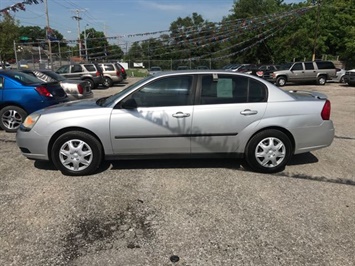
(309, 65)
(231, 89)
(109, 67)
(90, 68)
(325, 65)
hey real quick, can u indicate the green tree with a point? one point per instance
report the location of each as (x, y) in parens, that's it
(8, 33)
(97, 44)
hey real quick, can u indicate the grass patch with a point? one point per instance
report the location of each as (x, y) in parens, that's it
(139, 72)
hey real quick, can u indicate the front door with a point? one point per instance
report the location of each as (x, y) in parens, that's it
(155, 119)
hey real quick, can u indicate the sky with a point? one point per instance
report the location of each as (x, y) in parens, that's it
(118, 17)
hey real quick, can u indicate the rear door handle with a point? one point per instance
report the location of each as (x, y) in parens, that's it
(248, 112)
(181, 115)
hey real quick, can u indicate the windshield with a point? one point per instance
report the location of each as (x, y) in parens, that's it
(105, 102)
(286, 66)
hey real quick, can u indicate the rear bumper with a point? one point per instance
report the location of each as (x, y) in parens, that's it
(314, 138)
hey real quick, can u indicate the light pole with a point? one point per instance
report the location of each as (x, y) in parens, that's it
(86, 43)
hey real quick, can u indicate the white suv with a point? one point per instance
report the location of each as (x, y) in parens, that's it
(112, 74)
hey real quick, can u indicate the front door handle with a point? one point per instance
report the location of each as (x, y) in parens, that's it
(181, 115)
(248, 112)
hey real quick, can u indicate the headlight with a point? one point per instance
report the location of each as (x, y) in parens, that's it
(29, 122)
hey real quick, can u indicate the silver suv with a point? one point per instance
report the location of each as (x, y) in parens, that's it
(112, 74)
(300, 72)
(91, 73)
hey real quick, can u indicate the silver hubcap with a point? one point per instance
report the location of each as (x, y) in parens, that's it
(11, 119)
(75, 155)
(270, 152)
(282, 82)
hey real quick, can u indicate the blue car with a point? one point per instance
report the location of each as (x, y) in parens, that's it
(22, 94)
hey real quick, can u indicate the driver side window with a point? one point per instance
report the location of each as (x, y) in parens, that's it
(169, 91)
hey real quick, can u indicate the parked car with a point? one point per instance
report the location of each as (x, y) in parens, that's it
(91, 73)
(182, 68)
(154, 70)
(202, 67)
(302, 72)
(5, 65)
(112, 74)
(184, 114)
(264, 71)
(123, 70)
(246, 68)
(349, 77)
(340, 73)
(75, 89)
(22, 94)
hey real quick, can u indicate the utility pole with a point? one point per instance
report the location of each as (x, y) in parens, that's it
(48, 30)
(316, 31)
(78, 18)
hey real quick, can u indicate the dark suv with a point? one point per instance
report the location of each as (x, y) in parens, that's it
(91, 73)
(300, 72)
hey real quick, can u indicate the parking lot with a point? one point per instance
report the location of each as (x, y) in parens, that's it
(185, 212)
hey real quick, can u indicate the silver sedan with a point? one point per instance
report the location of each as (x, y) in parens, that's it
(184, 114)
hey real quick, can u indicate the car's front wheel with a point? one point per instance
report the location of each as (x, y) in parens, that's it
(268, 151)
(91, 83)
(11, 118)
(281, 81)
(77, 153)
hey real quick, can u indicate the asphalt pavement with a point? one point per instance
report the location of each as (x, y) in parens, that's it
(184, 212)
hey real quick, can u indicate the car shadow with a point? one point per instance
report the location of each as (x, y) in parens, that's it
(176, 164)
(304, 158)
(229, 163)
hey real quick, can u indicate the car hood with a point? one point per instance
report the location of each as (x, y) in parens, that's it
(87, 104)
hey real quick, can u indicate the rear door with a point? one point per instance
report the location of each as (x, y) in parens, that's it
(226, 106)
(156, 119)
(310, 73)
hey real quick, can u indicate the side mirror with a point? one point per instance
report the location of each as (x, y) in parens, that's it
(129, 104)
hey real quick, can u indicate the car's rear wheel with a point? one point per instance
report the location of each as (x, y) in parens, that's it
(321, 80)
(11, 118)
(107, 82)
(268, 151)
(76, 153)
(281, 81)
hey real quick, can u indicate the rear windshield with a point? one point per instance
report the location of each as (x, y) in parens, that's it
(53, 75)
(23, 78)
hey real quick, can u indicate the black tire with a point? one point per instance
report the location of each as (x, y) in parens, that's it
(268, 151)
(321, 80)
(75, 159)
(281, 81)
(342, 79)
(91, 83)
(107, 82)
(11, 118)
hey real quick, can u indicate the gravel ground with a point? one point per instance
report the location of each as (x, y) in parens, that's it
(178, 212)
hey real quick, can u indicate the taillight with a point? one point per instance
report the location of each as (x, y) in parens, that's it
(43, 91)
(118, 73)
(326, 110)
(80, 89)
(98, 74)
